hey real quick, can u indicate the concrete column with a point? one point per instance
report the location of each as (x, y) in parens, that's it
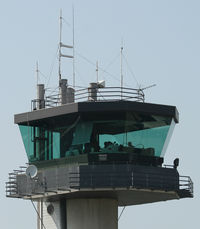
(92, 92)
(63, 91)
(92, 214)
(40, 96)
(70, 95)
(51, 215)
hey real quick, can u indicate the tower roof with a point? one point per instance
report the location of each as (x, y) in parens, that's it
(107, 106)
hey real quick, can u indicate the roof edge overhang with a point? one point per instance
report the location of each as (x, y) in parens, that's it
(108, 106)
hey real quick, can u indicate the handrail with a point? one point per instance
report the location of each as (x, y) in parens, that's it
(185, 182)
(91, 179)
(11, 184)
(101, 94)
(168, 166)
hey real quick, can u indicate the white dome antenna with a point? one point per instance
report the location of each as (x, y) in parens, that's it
(101, 83)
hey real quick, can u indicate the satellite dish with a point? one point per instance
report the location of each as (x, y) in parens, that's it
(31, 171)
(101, 83)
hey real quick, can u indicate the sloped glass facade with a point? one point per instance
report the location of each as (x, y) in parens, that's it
(96, 133)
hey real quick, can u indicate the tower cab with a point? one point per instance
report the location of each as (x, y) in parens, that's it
(98, 132)
(101, 142)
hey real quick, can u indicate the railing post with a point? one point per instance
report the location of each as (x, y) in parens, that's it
(147, 181)
(132, 178)
(40, 96)
(91, 180)
(92, 92)
(111, 183)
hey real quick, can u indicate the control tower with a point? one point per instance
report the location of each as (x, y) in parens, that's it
(93, 153)
(92, 150)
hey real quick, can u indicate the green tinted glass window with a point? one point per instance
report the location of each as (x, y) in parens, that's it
(28, 143)
(153, 138)
(40, 144)
(125, 132)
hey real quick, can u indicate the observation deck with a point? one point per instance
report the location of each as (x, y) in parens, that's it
(129, 184)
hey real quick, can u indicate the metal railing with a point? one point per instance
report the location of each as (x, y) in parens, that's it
(110, 94)
(185, 183)
(11, 185)
(62, 179)
(134, 180)
(101, 94)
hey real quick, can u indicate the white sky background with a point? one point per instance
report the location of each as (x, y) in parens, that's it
(162, 45)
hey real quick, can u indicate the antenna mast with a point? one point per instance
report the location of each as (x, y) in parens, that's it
(97, 71)
(61, 45)
(121, 69)
(60, 39)
(73, 50)
(37, 72)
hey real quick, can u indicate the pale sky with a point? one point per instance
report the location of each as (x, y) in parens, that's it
(161, 44)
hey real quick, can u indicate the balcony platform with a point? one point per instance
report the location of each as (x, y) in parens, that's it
(129, 184)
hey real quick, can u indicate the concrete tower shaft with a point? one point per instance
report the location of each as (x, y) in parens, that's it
(92, 214)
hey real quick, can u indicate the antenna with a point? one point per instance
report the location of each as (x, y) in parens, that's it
(37, 72)
(101, 84)
(60, 39)
(61, 45)
(97, 71)
(121, 63)
(73, 49)
(144, 88)
(121, 70)
(153, 85)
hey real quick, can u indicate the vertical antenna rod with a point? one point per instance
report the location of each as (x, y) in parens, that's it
(121, 69)
(37, 72)
(73, 50)
(60, 41)
(97, 71)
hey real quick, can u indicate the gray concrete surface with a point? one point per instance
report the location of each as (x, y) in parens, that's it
(92, 214)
